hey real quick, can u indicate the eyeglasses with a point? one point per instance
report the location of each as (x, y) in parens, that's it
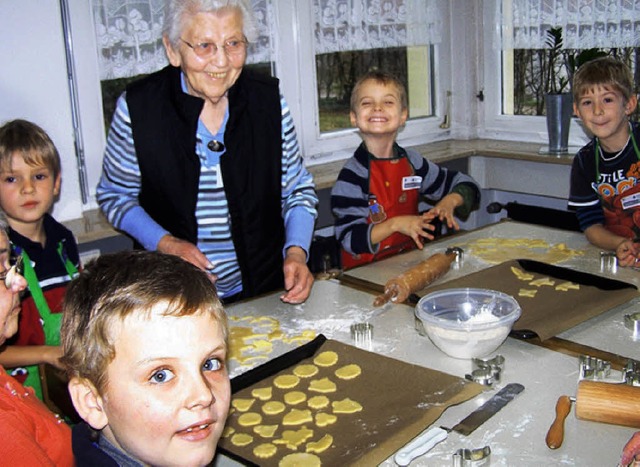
(232, 48)
(17, 267)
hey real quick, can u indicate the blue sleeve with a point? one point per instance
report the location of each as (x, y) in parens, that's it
(119, 186)
(299, 199)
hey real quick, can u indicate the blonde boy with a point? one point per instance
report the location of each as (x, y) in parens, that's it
(145, 345)
(29, 184)
(375, 199)
(604, 177)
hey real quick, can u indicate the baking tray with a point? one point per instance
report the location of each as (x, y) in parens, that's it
(551, 311)
(399, 401)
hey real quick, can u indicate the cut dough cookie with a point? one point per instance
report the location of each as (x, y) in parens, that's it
(300, 458)
(266, 431)
(286, 381)
(264, 394)
(294, 438)
(520, 274)
(530, 293)
(295, 397)
(249, 419)
(241, 439)
(346, 406)
(565, 286)
(265, 450)
(305, 371)
(348, 371)
(542, 281)
(325, 419)
(318, 402)
(327, 358)
(228, 431)
(297, 417)
(242, 405)
(273, 407)
(323, 385)
(321, 445)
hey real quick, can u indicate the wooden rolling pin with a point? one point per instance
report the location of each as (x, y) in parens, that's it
(417, 278)
(614, 403)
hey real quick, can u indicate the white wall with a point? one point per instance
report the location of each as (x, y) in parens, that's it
(34, 86)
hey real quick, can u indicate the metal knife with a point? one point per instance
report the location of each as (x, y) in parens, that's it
(435, 435)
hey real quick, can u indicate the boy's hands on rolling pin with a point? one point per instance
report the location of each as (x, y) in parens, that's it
(630, 450)
(444, 209)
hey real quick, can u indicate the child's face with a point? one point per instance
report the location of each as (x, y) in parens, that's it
(378, 109)
(168, 391)
(27, 191)
(606, 114)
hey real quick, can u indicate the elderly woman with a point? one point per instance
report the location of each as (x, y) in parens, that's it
(30, 433)
(202, 159)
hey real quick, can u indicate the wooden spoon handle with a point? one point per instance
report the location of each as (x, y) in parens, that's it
(555, 435)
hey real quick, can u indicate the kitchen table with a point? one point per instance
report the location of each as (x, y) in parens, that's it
(515, 435)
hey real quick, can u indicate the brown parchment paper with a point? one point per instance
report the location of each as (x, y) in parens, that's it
(399, 401)
(551, 311)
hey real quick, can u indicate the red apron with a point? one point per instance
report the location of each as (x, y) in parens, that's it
(387, 199)
(621, 202)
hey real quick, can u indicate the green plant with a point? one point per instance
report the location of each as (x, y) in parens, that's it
(562, 63)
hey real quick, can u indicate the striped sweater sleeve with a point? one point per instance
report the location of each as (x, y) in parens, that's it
(299, 199)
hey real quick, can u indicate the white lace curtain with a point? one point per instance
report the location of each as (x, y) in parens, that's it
(585, 23)
(129, 36)
(368, 24)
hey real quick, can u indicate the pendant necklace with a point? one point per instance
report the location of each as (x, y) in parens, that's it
(215, 146)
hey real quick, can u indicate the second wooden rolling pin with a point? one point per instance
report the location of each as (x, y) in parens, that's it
(617, 404)
(417, 278)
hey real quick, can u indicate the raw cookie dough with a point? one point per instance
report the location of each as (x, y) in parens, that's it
(242, 405)
(286, 381)
(294, 438)
(300, 458)
(305, 371)
(327, 358)
(295, 397)
(241, 439)
(318, 402)
(228, 431)
(348, 371)
(321, 445)
(297, 417)
(266, 431)
(265, 450)
(499, 250)
(264, 394)
(273, 407)
(346, 406)
(323, 385)
(249, 419)
(324, 419)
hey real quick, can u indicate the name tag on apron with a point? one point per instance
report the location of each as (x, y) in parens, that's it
(411, 183)
(631, 201)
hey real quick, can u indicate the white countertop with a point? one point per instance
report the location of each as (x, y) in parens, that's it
(516, 435)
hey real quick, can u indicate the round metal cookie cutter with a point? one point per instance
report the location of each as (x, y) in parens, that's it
(632, 322)
(472, 457)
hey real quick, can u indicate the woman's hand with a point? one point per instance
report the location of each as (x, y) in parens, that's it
(187, 251)
(51, 355)
(297, 277)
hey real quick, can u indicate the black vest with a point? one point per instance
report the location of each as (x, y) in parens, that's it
(164, 122)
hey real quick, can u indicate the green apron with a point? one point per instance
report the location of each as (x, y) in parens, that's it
(51, 321)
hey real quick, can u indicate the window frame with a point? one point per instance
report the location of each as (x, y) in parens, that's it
(298, 84)
(494, 124)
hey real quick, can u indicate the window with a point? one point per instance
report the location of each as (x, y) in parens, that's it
(317, 66)
(514, 88)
